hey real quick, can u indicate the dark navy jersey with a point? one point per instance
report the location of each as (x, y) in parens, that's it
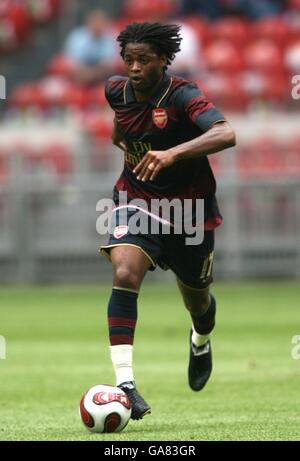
(178, 112)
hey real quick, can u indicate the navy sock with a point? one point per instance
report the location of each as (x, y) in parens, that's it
(205, 323)
(122, 316)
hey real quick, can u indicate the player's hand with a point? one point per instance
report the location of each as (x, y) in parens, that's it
(152, 163)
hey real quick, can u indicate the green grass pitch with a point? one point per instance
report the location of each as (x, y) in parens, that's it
(57, 348)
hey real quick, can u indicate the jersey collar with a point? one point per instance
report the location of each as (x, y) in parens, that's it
(156, 98)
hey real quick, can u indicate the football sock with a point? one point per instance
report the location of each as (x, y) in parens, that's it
(204, 324)
(121, 357)
(122, 317)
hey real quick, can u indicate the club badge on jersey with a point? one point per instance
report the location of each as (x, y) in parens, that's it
(160, 117)
(120, 231)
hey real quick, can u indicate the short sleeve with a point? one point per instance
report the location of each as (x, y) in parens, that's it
(113, 90)
(198, 108)
(107, 91)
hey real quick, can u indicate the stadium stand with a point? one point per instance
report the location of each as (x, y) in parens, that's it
(55, 145)
(248, 65)
(18, 18)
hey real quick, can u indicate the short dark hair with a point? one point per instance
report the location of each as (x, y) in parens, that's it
(164, 38)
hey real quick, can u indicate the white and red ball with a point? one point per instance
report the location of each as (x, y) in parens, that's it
(105, 408)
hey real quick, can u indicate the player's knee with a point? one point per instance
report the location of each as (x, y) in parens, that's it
(199, 305)
(127, 277)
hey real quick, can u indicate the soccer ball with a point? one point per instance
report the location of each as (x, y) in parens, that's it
(105, 408)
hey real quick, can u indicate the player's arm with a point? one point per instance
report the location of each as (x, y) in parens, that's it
(117, 137)
(219, 137)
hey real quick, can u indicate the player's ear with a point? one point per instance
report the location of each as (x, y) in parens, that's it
(163, 61)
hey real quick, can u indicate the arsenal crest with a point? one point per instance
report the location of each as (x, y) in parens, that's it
(160, 117)
(120, 231)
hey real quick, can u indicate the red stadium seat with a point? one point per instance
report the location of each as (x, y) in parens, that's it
(274, 29)
(97, 125)
(266, 86)
(200, 27)
(144, 10)
(27, 95)
(225, 91)
(260, 158)
(58, 156)
(275, 87)
(223, 56)
(96, 96)
(53, 90)
(263, 55)
(60, 65)
(14, 25)
(61, 93)
(54, 157)
(75, 96)
(292, 57)
(235, 30)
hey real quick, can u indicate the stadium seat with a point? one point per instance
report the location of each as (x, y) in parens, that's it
(59, 92)
(75, 97)
(14, 25)
(292, 57)
(225, 91)
(261, 157)
(60, 65)
(96, 95)
(223, 56)
(265, 86)
(143, 9)
(54, 157)
(17, 17)
(27, 95)
(234, 29)
(97, 124)
(200, 27)
(274, 29)
(58, 156)
(53, 90)
(263, 55)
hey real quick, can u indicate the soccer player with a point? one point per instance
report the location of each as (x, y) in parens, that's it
(167, 128)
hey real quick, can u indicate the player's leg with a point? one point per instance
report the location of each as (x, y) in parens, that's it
(192, 265)
(130, 265)
(201, 305)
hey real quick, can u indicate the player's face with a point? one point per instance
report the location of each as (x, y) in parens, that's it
(143, 66)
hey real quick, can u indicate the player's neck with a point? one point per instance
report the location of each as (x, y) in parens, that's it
(142, 96)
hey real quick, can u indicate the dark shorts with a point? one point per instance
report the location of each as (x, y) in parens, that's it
(192, 264)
